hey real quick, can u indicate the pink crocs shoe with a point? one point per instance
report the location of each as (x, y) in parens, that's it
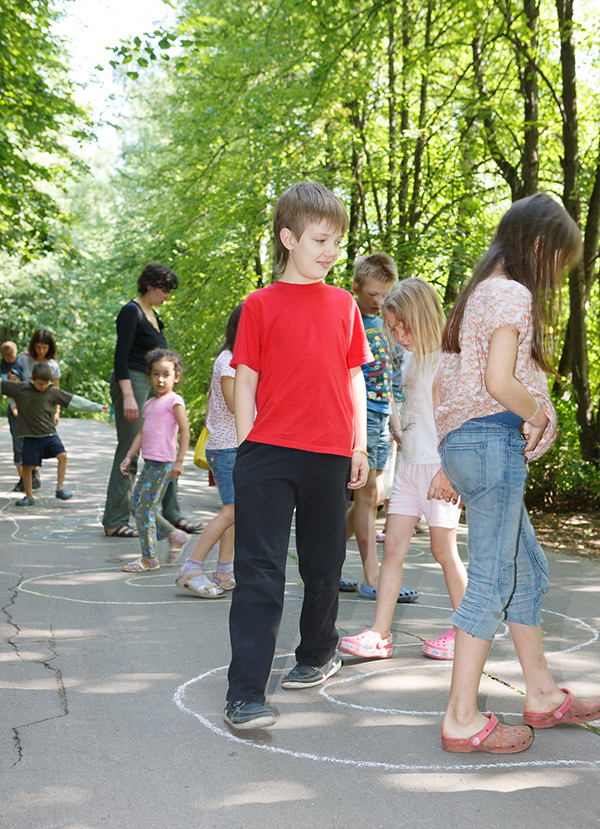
(442, 648)
(369, 644)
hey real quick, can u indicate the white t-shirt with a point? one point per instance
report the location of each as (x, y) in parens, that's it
(26, 364)
(419, 433)
(220, 422)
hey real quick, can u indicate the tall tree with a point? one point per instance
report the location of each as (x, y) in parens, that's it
(37, 114)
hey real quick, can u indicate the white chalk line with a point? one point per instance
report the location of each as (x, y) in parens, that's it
(179, 696)
(183, 599)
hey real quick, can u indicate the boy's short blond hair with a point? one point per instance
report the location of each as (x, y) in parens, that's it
(300, 204)
(8, 349)
(377, 266)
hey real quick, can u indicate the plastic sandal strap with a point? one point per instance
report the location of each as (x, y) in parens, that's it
(478, 738)
(559, 713)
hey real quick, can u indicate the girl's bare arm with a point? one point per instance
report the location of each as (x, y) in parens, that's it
(501, 383)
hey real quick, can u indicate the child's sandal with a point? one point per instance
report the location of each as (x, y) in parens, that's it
(140, 565)
(224, 581)
(182, 578)
(177, 541)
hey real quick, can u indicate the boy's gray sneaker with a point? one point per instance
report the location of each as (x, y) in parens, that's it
(245, 714)
(63, 495)
(25, 502)
(305, 676)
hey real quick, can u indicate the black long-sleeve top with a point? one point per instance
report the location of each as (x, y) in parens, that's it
(136, 336)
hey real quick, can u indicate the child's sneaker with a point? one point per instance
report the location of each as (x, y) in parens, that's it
(369, 644)
(442, 648)
(25, 502)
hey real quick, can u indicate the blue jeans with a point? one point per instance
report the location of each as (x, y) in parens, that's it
(17, 442)
(378, 439)
(507, 570)
(221, 462)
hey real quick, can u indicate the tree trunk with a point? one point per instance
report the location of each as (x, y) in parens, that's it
(415, 202)
(392, 134)
(571, 199)
(531, 96)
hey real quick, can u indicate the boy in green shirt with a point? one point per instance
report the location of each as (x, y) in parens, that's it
(36, 400)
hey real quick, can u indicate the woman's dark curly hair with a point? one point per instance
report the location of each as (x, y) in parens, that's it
(156, 275)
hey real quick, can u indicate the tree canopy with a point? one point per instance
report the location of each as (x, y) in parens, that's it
(427, 119)
(37, 114)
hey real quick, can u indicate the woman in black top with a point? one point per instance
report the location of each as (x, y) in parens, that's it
(139, 330)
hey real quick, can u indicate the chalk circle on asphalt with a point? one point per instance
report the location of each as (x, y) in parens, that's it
(187, 699)
(80, 586)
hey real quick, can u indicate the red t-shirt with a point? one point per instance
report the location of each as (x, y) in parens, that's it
(302, 340)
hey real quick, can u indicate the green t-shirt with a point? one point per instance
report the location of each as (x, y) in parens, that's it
(36, 408)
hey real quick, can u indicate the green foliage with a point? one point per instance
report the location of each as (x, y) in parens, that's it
(562, 481)
(425, 118)
(37, 114)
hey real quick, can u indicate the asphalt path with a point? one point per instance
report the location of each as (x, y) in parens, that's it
(112, 689)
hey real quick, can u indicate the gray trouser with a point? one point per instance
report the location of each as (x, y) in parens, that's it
(120, 487)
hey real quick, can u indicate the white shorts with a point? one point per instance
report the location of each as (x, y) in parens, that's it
(389, 471)
(409, 496)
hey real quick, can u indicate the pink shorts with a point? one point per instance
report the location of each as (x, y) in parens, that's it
(409, 496)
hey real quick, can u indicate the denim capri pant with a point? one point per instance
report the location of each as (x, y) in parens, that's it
(507, 570)
(221, 462)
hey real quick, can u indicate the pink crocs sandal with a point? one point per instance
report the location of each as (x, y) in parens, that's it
(442, 648)
(369, 644)
(572, 710)
(494, 737)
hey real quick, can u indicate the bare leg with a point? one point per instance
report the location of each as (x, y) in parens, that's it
(542, 692)
(397, 543)
(445, 552)
(226, 545)
(27, 482)
(61, 471)
(365, 502)
(214, 530)
(463, 719)
(350, 522)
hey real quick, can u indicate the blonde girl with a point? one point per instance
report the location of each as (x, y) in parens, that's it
(415, 319)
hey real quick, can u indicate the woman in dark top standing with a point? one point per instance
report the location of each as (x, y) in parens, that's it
(139, 330)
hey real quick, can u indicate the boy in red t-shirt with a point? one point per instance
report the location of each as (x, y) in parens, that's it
(298, 356)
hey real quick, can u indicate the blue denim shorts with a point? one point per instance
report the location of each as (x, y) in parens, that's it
(507, 571)
(221, 462)
(378, 439)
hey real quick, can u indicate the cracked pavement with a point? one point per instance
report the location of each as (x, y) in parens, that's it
(112, 687)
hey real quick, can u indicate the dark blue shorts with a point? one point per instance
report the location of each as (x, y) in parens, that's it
(34, 449)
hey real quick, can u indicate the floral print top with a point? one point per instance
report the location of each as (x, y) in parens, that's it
(495, 303)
